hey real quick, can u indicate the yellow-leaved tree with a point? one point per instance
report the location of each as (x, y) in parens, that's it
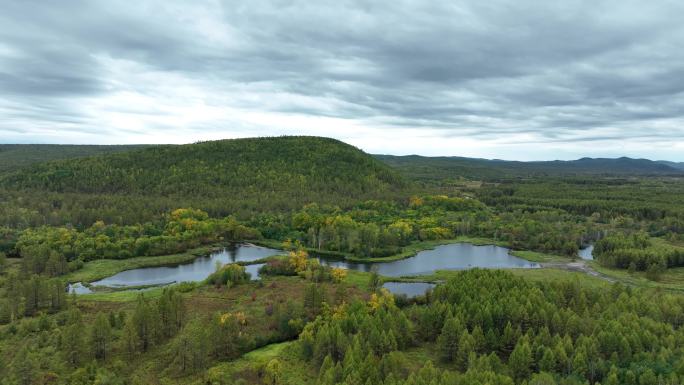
(297, 260)
(338, 274)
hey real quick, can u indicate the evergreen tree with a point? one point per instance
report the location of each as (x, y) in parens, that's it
(73, 338)
(542, 379)
(100, 336)
(191, 348)
(466, 346)
(23, 367)
(520, 361)
(145, 323)
(129, 341)
(548, 361)
(171, 310)
(612, 378)
(448, 340)
(273, 372)
(374, 281)
(314, 296)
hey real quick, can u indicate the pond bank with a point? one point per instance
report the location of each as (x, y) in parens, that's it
(103, 268)
(414, 248)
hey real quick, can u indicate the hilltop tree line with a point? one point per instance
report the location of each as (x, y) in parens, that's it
(221, 177)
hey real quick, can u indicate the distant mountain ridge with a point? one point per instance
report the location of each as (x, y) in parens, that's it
(611, 165)
(434, 168)
(677, 165)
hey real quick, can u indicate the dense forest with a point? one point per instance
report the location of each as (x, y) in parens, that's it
(287, 165)
(222, 177)
(74, 213)
(492, 328)
(16, 156)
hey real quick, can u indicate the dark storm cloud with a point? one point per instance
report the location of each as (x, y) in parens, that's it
(572, 70)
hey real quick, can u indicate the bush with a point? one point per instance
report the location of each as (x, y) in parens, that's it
(655, 271)
(230, 274)
(277, 267)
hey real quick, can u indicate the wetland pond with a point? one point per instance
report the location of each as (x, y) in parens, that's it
(453, 256)
(587, 253)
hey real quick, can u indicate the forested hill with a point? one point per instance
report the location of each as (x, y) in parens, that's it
(438, 168)
(295, 167)
(16, 156)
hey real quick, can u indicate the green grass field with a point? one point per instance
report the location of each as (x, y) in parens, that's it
(671, 279)
(102, 268)
(535, 256)
(251, 365)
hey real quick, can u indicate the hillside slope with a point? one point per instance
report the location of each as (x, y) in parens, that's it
(293, 166)
(439, 168)
(16, 156)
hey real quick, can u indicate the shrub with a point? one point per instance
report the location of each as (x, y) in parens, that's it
(230, 274)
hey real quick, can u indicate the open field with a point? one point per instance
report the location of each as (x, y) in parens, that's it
(671, 279)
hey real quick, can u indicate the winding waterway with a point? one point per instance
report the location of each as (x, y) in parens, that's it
(197, 270)
(455, 256)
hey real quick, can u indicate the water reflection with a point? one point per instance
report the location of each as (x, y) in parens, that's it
(197, 270)
(410, 289)
(587, 253)
(454, 256)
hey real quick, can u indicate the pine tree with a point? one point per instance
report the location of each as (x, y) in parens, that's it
(542, 379)
(509, 338)
(129, 342)
(548, 361)
(466, 346)
(273, 372)
(23, 367)
(520, 361)
(479, 339)
(144, 321)
(314, 296)
(324, 376)
(579, 363)
(612, 378)
(57, 295)
(191, 348)
(448, 340)
(100, 336)
(72, 338)
(171, 310)
(374, 281)
(648, 378)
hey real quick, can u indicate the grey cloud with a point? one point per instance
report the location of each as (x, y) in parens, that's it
(477, 69)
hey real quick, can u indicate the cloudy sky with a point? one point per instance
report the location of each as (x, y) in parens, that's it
(497, 79)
